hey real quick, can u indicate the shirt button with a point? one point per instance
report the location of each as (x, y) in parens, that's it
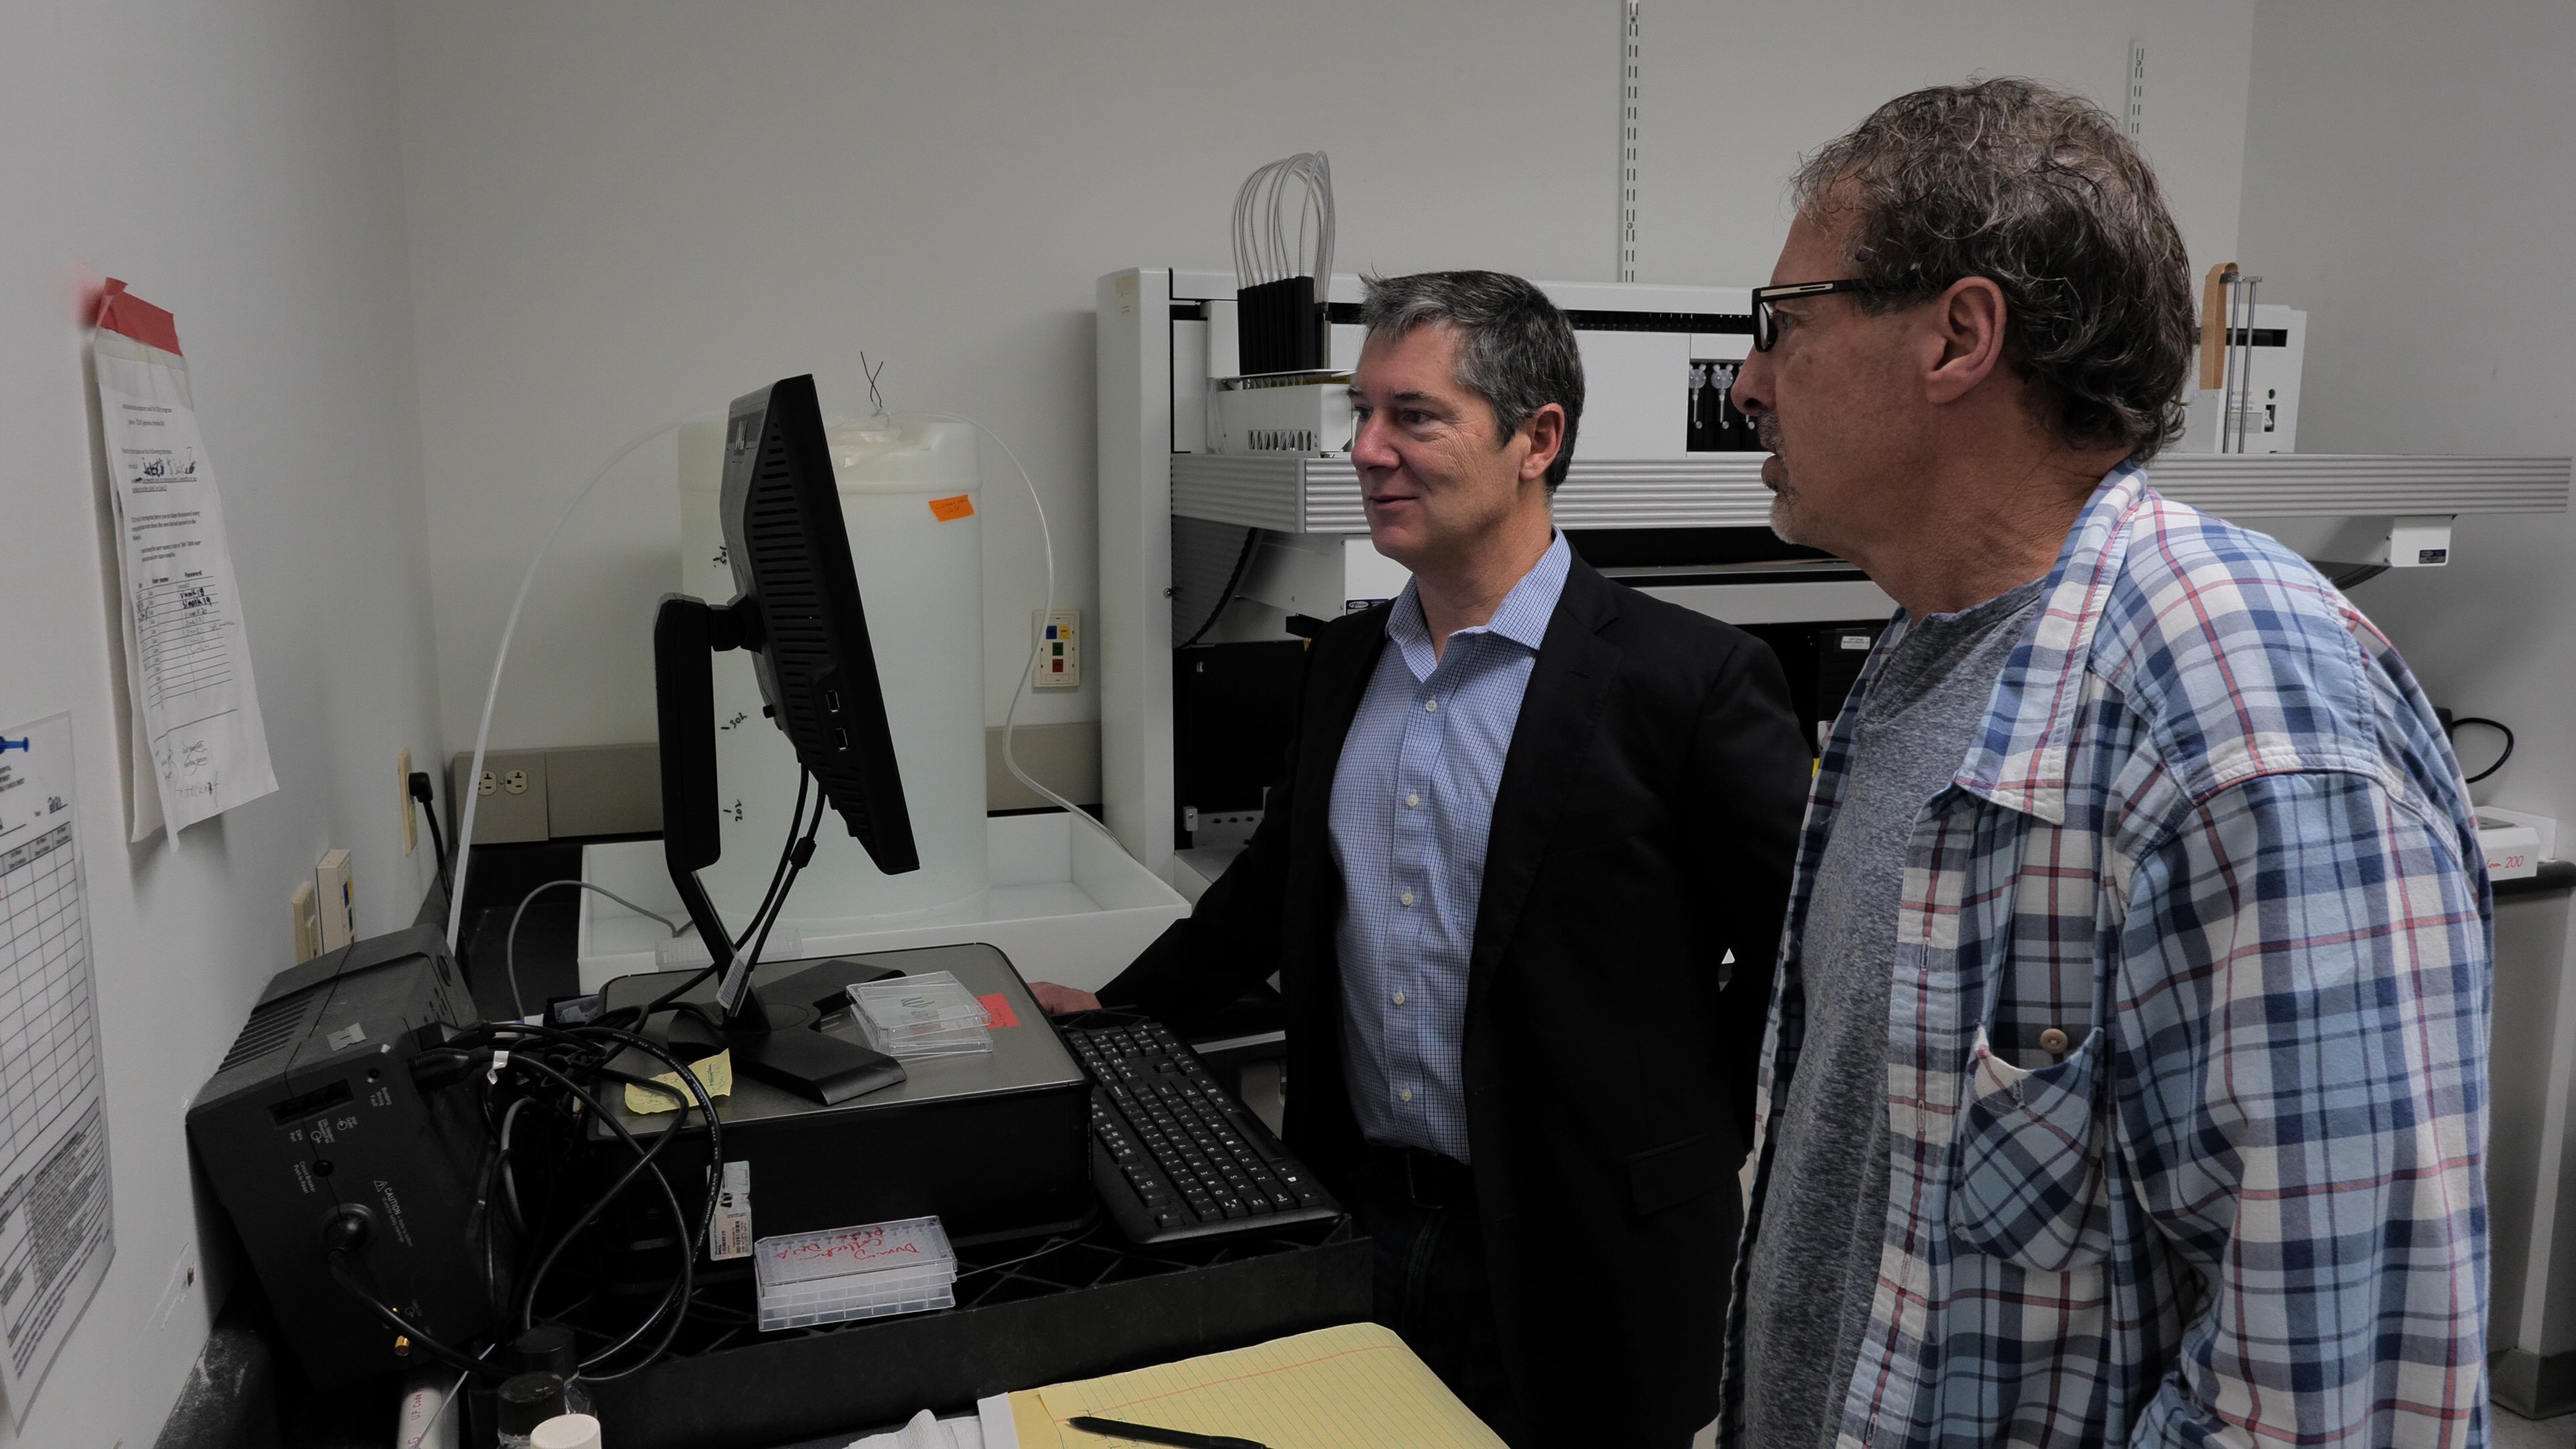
(1413, 801)
(1407, 898)
(1431, 705)
(1398, 998)
(1406, 1094)
(2053, 1042)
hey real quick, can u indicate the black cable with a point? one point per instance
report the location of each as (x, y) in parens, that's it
(1225, 596)
(787, 848)
(799, 852)
(510, 938)
(341, 1273)
(792, 863)
(479, 1226)
(422, 794)
(760, 943)
(2498, 726)
(706, 1104)
(585, 1051)
(674, 1299)
(644, 1161)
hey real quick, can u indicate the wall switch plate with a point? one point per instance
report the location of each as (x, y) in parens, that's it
(1059, 637)
(410, 810)
(308, 922)
(335, 897)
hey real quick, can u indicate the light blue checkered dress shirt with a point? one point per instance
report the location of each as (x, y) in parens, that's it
(1413, 801)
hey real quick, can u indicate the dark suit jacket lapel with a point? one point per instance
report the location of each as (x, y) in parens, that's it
(1567, 687)
(1342, 685)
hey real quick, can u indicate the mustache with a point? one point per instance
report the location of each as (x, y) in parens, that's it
(1766, 431)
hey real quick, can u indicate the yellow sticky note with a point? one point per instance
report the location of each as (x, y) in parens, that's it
(714, 1073)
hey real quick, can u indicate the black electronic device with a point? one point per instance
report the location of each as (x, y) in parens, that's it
(1281, 326)
(1173, 1155)
(1234, 709)
(797, 609)
(991, 1142)
(339, 1150)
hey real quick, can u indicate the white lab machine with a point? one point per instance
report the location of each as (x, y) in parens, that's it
(2252, 406)
(1215, 532)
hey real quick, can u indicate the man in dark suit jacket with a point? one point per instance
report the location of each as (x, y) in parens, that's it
(1514, 1046)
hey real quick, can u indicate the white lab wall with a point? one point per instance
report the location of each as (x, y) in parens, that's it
(2410, 180)
(235, 163)
(1733, 94)
(623, 211)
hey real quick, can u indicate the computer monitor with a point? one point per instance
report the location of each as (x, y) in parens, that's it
(797, 609)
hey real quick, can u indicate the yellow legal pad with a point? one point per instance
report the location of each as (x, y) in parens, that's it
(1354, 1387)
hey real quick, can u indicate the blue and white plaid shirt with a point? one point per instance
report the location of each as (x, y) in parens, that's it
(1413, 801)
(2187, 1040)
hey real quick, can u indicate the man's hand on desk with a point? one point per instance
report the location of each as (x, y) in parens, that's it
(1057, 1000)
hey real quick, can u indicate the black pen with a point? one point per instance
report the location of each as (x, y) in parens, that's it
(1148, 1434)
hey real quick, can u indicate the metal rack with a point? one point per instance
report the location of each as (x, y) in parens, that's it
(1070, 1307)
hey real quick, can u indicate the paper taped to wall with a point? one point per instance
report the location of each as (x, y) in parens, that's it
(197, 742)
(57, 1220)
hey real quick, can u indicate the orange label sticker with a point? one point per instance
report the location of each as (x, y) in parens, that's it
(949, 510)
(997, 1011)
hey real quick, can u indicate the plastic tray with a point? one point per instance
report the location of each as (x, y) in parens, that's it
(864, 1272)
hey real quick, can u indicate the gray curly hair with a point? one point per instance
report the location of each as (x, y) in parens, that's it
(2038, 191)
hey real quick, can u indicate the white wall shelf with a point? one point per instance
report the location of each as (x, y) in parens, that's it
(1292, 494)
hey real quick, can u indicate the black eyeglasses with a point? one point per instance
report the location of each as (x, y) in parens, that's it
(1766, 328)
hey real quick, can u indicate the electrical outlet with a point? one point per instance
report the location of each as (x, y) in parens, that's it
(509, 799)
(410, 815)
(1059, 636)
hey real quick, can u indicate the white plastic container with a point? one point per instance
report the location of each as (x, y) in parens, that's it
(909, 500)
(864, 1272)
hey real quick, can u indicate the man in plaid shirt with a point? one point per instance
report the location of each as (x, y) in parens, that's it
(2126, 1080)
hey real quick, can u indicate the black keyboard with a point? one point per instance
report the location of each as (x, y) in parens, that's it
(1172, 1154)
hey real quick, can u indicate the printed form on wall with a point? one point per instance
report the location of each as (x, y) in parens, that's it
(197, 743)
(57, 1220)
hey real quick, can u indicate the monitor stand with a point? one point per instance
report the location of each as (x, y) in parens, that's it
(772, 1035)
(782, 1041)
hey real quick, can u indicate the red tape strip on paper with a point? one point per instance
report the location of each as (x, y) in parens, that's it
(124, 313)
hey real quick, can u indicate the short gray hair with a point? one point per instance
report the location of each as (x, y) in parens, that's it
(2039, 192)
(1515, 349)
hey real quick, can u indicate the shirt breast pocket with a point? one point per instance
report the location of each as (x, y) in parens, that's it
(2029, 1186)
